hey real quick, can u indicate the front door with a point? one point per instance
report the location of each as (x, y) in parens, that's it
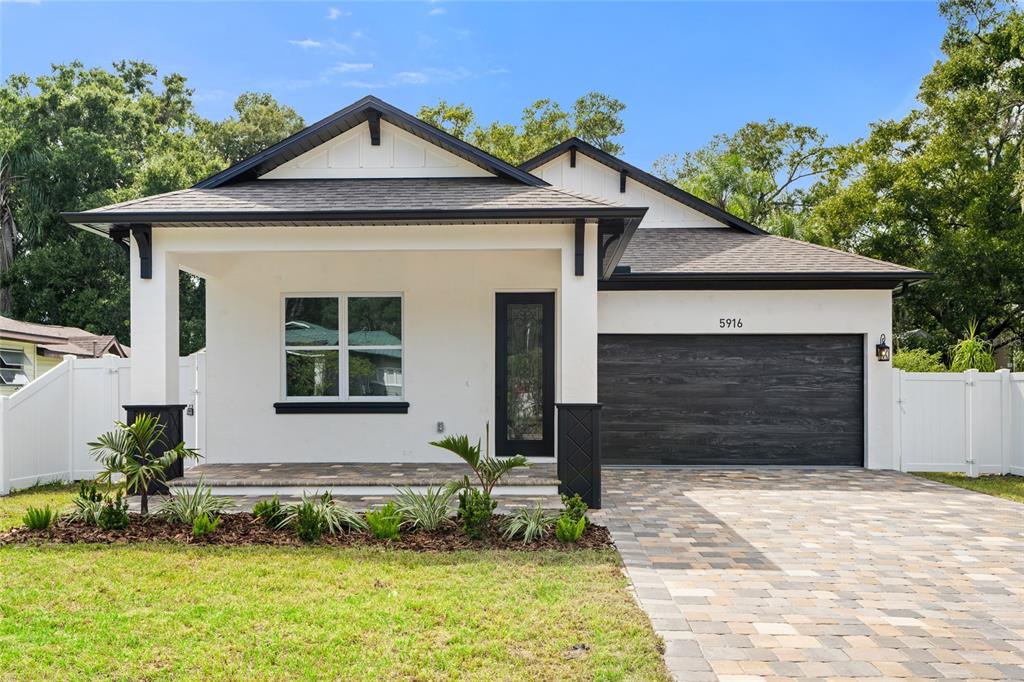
(525, 381)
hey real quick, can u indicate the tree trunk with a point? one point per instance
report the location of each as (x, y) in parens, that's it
(8, 231)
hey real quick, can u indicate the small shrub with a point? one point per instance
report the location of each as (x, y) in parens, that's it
(428, 511)
(188, 505)
(569, 530)
(574, 507)
(918, 360)
(269, 512)
(312, 517)
(39, 519)
(475, 510)
(114, 514)
(385, 522)
(87, 504)
(307, 522)
(529, 524)
(204, 525)
(972, 352)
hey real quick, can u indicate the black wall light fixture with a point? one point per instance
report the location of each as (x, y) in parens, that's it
(882, 350)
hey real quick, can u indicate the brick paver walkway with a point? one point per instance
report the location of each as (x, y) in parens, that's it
(822, 573)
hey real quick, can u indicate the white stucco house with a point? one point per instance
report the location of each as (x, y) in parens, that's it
(372, 280)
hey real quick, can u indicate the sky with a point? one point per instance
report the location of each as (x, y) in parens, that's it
(686, 71)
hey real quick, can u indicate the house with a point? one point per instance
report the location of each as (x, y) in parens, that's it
(28, 350)
(372, 281)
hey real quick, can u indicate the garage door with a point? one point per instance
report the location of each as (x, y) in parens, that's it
(731, 399)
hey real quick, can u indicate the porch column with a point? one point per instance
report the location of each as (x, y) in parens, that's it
(579, 433)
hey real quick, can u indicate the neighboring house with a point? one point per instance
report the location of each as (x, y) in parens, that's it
(372, 277)
(28, 350)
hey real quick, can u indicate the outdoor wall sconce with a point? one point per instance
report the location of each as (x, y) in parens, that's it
(882, 350)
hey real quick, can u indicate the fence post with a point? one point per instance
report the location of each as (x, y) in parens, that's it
(70, 360)
(4, 486)
(897, 419)
(970, 386)
(1005, 417)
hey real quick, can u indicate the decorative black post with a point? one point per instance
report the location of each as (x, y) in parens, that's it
(171, 416)
(579, 451)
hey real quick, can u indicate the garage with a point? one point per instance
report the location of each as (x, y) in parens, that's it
(737, 399)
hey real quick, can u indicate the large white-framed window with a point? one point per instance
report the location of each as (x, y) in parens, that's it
(342, 347)
(14, 367)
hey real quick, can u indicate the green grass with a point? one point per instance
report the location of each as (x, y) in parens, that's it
(153, 611)
(1008, 486)
(12, 507)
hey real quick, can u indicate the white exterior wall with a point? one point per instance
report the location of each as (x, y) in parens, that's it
(596, 179)
(448, 277)
(866, 312)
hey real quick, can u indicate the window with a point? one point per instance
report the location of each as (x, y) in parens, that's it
(343, 347)
(14, 367)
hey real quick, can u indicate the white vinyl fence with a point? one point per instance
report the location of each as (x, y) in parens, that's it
(45, 426)
(971, 422)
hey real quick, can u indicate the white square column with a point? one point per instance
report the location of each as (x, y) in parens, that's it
(154, 328)
(578, 317)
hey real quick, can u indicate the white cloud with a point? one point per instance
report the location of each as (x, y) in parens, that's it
(306, 43)
(331, 45)
(335, 13)
(364, 85)
(349, 67)
(431, 75)
(357, 35)
(437, 11)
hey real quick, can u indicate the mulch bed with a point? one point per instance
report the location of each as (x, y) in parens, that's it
(242, 529)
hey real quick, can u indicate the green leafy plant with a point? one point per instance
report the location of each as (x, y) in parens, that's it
(574, 507)
(114, 514)
(269, 511)
(37, 518)
(188, 505)
(569, 530)
(427, 511)
(385, 523)
(488, 470)
(312, 517)
(475, 511)
(972, 352)
(918, 360)
(529, 524)
(87, 504)
(128, 451)
(204, 524)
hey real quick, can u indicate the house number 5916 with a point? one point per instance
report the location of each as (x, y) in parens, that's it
(730, 323)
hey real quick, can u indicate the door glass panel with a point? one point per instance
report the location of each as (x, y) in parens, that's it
(525, 349)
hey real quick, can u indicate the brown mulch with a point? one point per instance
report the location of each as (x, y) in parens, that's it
(242, 529)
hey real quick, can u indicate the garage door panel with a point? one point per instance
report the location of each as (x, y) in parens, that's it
(731, 399)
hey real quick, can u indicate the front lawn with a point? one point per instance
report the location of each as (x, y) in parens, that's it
(152, 611)
(1009, 486)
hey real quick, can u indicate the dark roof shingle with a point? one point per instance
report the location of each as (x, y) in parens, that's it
(716, 251)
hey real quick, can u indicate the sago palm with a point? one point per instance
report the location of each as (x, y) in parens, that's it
(488, 470)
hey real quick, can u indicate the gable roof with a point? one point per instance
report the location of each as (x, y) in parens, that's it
(57, 340)
(355, 114)
(643, 177)
(683, 257)
(333, 201)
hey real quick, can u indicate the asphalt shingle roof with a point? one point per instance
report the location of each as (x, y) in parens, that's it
(722, 250)
(356, 195)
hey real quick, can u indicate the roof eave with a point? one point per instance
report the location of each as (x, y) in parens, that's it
(762, 280)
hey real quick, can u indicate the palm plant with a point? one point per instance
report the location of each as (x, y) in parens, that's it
(133, 451)
(488, 470)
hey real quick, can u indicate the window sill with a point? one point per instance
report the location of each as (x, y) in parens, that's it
(343, 407)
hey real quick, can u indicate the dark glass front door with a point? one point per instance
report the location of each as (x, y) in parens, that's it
(525, 381)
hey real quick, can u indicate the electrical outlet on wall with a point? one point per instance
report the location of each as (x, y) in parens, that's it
(440, 427)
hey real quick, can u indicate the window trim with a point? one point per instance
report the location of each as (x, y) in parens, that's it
(342, 349)
(27, 368)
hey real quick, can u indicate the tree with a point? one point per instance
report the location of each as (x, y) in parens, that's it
(260, 122)
(595, 118)
(938, 189)
(762, 173)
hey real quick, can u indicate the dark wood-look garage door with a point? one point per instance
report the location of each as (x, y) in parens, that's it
(731, 399)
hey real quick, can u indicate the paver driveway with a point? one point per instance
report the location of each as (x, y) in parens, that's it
(822, 573)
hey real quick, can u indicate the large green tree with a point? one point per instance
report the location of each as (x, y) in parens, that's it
(763, 173)
(594, 118)
(937, 189)
(77, 138)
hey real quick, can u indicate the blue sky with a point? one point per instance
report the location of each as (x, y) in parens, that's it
(685, 70)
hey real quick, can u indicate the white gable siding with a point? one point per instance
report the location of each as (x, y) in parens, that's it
(596, 179)
(399, 155)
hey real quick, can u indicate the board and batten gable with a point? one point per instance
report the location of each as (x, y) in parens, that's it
(399, 155)
(598, 180)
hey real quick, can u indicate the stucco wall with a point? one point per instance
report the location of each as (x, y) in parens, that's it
(773, 312)
(448, 350)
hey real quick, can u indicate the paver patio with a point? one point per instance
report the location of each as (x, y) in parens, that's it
(822, 573)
